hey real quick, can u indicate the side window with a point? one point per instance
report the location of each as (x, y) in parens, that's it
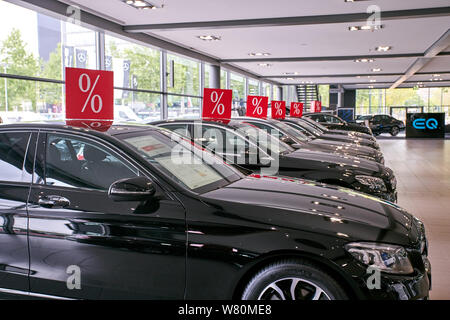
(181, 129)
(79, 163)
(222, 141)
(273, 132)
(13, 147)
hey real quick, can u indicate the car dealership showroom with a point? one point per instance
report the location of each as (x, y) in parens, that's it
(225, 150)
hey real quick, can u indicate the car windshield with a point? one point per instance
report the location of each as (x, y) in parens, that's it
(263, 139)
(291, 131)
(315, 124)
(363, 117)
(183, 162)
(315, 130)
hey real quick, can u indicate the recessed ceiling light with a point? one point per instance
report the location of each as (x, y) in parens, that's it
(259, 54)
(264, 64)
(140, 4)
(373, 80)
(436, 75)
(370, 87)
(289, 78)
(383, 48)
(210, 37)
(366, 27)
(376, 69)
(364, 60)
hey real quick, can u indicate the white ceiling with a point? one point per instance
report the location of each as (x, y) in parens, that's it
(406, 36)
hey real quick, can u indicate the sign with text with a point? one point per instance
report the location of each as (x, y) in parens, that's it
(217, 104)
(425, 125)
(316, 106)
(257, 106)
(296, 109)
(278, 109)
(89, 94)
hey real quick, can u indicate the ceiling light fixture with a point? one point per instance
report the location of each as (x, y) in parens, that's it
(209, 37)
(259, 54)
(436, 75)
(373, 80)
(383, 48)
(290, 73)
(264, 64)
(140, 4)
(366, 28)
(376, 69)
(370, 87)
(364, 60)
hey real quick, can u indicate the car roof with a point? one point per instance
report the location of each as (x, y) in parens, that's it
(231, 124)
(115, 129)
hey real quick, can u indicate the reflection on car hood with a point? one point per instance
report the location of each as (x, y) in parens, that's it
(351, 162)
(307, 205)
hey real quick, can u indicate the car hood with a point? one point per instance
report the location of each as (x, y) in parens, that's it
(306, 205)
(328, 150)
(348, 139)
(351, 133)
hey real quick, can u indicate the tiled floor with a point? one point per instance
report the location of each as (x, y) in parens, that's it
(422, 168)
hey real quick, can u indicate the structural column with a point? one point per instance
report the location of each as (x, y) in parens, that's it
(214, 77)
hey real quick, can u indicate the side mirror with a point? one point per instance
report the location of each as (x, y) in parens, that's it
(132, 189)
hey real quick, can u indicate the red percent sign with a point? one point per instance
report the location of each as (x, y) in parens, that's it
(89, 98)
(316, 106)
(296, 109)
(278, 109)
(217, 104)
(257, 106)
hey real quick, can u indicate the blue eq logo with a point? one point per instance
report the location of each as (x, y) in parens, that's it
(422, 124)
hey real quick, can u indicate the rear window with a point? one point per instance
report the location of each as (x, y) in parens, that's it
(13, 146)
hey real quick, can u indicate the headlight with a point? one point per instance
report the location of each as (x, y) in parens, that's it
(374, 183)
(384, 257)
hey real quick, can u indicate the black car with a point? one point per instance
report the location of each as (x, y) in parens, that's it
(315, 133)
(347, 133)
(134, 219)
(382, 123)
(334, 122)
(298, 140)
(254, 149)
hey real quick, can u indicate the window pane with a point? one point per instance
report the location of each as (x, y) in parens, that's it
(253, 87)
(237, 84)
(30, 100)
(186, 75)
(12, 154)
(35, 44)
(183, 107)
(72, 162)
(134, 66)
(136, 106)
(267, 90)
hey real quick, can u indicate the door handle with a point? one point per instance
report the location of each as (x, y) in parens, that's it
(54, 202)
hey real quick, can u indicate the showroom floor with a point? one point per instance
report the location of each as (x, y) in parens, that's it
(422, 168)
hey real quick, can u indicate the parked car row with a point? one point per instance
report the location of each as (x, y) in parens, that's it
(247, 209)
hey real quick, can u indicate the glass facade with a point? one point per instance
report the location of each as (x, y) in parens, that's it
(381, 101)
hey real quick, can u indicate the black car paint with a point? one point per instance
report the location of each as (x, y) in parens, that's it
(310, 164)
(197, 246)
(322, 145)
(383, 123)
(340, 125)
(303, 126)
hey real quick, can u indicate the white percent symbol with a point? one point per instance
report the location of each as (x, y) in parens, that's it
(88, 87)
(296, 108)
(219, 107)
(278, 112)
(258, 107)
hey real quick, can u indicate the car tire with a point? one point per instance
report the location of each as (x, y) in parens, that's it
(395, 131)
(293, 280)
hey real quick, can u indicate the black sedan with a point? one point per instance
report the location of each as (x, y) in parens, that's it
(315, 133)
(382, 123)
(254, 149)
(141, 213)
(333, 122)
(324, 129)
(298, 140)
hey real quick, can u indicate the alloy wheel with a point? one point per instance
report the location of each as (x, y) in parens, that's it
(293, 289)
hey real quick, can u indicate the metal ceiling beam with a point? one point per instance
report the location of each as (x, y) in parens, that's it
(433, 51)
(329, 58)
(291, 21)
(90, 20)
(306, 76)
